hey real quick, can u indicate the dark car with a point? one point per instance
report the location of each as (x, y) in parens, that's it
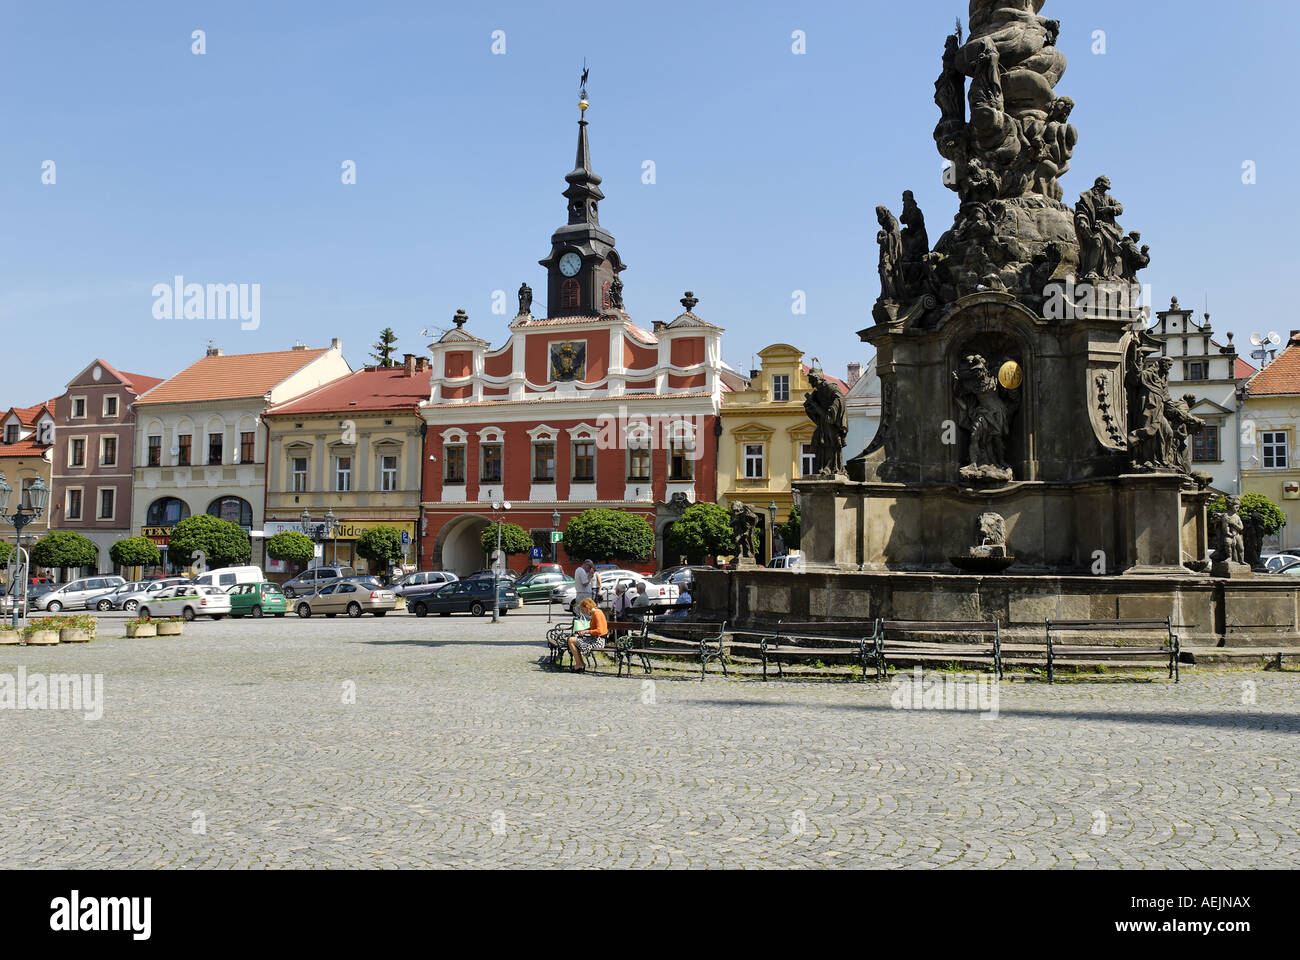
(487, 575)
(539, 587)
(472, 596)
(680, 576)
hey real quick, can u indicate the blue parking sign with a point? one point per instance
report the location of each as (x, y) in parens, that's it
(537, 553)
(406, 538)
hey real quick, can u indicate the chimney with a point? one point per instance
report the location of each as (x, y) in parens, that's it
(408, 364)
(336, 344)
(854, 375)
(299, 346)
(755, 374)
(422, 363)
(214, 351)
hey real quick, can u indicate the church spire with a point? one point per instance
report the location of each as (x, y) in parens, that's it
(583, 193)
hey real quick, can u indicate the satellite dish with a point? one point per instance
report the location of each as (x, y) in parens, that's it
(1256, 340)
(1274, 338)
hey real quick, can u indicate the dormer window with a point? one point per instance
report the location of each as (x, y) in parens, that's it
(12, 433)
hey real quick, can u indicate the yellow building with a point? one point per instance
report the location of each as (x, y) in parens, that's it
(1270, 417)
(766, 441)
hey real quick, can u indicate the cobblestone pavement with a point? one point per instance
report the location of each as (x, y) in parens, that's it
(233, 747)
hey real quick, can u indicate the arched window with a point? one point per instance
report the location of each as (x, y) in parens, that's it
(570, 294)
(233, 509)
(605, 302)
(166, 512)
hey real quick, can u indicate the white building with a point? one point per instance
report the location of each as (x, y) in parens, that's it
(862, 409)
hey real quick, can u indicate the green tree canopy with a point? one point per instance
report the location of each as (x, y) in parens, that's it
(1260, 508)
(791, 530)
(381, 547)
(224, 544)
(64, 548)
(135, 552)
(703, 530)
(604, 535)
(384, 348)
(514, 539)
(6, 553)
(291, 547)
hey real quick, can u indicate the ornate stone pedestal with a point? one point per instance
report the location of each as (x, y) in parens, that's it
(1227, 570)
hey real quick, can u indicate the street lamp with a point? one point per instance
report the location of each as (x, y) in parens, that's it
(499, 508)
(771, 531)
(330, 521)
(555, 556)
(37, 496)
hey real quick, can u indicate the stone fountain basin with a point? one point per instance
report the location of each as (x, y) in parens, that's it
(982, 564)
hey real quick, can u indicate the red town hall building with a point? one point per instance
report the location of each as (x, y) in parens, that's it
(579, 409)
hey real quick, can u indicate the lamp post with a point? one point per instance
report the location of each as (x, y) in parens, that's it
(771, 532)
(37, 497)
(330, 521)
(555, 553)
(499, 508)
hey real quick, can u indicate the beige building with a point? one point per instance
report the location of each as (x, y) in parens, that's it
(1270, 417)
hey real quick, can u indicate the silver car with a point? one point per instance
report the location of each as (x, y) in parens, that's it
(144, 589)
(76, 594)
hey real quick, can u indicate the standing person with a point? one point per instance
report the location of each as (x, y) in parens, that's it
(586, 583)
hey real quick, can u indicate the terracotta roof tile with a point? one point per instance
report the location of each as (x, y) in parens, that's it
(1282, 376)
(1244, 371)
(843, 387)
(373, 388)
(231, 377)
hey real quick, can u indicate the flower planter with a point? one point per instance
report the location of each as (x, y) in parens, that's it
(75, 635)
(141, 630)
(170, 629)
(10, 636)
(43, 637)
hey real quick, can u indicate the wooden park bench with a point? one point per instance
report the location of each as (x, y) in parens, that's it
(676, 638)
(793, 640)
(1062, 652)
(937, 651)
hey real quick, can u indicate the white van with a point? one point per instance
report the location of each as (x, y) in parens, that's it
(227, 577)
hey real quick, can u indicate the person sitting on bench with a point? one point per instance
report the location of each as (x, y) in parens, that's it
(593, 638)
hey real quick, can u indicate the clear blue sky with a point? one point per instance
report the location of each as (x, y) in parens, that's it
(225, 168)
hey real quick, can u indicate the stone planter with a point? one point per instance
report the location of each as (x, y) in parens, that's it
(141, 630)
(170, 629)
(43, 637)
(75, 635)
(10, 636)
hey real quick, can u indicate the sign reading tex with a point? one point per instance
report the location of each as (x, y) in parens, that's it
(568, 361)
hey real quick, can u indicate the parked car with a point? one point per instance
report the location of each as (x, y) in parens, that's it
(543, 567)
(506, 574)
(1291, 569)
(309, 581)
(354, 599)
(257, 599)
(472, 596)
(660, 593)
(227, 577)
(1274, 561)
(106, 602)
(75, 594)
(423, 580)
(539, 587)
(187, 600)
(145, 589)
(681, 576)
(788, 561)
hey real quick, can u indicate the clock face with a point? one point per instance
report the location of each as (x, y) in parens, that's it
(570, 264)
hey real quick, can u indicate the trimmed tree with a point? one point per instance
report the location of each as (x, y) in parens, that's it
(791, 530)
(381, 547)
(291, 547)
(60, 549)
(703, 530)
(135, 552)
(609, 535)
(224, 544)
(384, 348)
(514, 539)
(1261, 516)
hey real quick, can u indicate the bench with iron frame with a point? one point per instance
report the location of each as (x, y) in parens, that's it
(1064, 650)
(617, 642)
(677, 638)
(933, 651)
(818, 640)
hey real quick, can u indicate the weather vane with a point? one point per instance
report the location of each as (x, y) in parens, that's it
(582, 87)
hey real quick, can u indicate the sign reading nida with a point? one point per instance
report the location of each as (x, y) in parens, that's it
(568, 361)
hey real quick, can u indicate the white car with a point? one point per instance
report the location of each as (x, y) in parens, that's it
(188, 601)
(659, 593)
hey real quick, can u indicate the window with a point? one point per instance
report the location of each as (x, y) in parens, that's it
(681, 459)
(299, 474)
(388, 474)
(247, 447)
(26, 492)
(584, 461)
(1274, 450)
(455, 469)
(155, 452)
(1205, 445)
(342, 474)
(1196, 370)
(544, 461)
(235, 509)
(12, 432)
(781, 388)
(183, 449)
(754, 467)
(108, 451)
(638, 461)
(570, 294)
(166, 512)
(214, 449)
(106, 503)
(78, 408)
(491, 463)
(110, 406)
(807, 460)
(73, 511)
(77, 452)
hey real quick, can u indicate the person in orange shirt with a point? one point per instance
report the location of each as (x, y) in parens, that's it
(593, 638)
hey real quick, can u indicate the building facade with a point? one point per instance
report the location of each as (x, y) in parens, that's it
(766, 441)
(91, 492)
(862, 408)
(1270, 416)
(578, 409)
(26, 452)
(352, 448)
(1214, 374)
(200, 446)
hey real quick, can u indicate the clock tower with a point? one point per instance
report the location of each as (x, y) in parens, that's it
(583, 266)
